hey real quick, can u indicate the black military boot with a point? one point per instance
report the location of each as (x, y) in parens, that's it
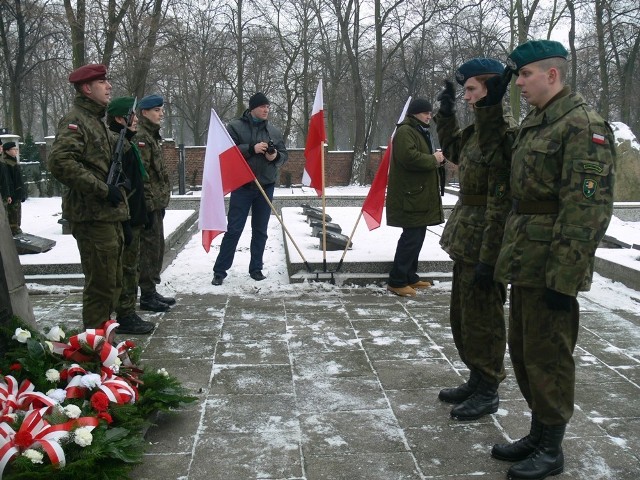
(547, 460)
(168, 300)
(520, 449)
(134, 325)
(149, 302)
(462, 392)
(483, 401)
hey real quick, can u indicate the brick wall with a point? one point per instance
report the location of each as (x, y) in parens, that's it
(337, 165)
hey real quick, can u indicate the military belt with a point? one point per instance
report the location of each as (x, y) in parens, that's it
(474, 200)
(540, 207)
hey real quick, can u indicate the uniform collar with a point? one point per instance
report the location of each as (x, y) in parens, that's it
(91, 106)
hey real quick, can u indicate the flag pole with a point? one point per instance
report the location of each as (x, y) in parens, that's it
(273, 209)
(324, 212)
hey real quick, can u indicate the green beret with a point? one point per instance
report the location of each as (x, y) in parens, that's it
(534, 51)
(119, 107)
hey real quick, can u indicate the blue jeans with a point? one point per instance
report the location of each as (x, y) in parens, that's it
(242, 199)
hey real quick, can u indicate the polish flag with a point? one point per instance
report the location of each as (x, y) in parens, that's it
(374, 203)
(316, 137)
(225, 169)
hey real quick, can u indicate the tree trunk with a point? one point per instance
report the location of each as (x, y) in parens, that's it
(144, 62)
(572, 45)
(114, 20)
(603, 102)
(77, 23)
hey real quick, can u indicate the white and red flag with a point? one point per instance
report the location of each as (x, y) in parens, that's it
(374, 203)
(225, 169)
(313, 175)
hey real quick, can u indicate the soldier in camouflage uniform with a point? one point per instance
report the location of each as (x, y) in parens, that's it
(472, 237)
(157, 193)
(80, 159)
(133, 174)
(562, 178)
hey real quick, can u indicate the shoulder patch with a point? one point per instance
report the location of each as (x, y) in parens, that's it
(501, 190)
(589, 187)
(72, 126)
(142, 144)
(599, 139)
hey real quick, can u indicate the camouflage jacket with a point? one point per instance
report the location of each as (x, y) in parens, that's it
(563, 156)
(473, 232)
(80, 158)
(413, 191)
(157, 187)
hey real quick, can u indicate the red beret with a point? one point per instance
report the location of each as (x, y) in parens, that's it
(87, 73)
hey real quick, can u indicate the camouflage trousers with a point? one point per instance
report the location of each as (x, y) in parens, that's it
(478, 323)
(100, 245)
(541, 344)
(130, 275)
(151, 253)
(14, 215)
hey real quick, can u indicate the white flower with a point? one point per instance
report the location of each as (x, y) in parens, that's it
(162, 371)
(91, 380)
(52, 375)
(72, 411)
(33, 455)
(82, 436)
(57, 394)
(117, 362)
(49, 345)
(55, 334)
(22, 335)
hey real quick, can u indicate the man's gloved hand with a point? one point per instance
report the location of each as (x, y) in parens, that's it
(151, 219)
(447, 99)
(483, 276)
(496, 87)
(114, 196)
(557, 301)
(128, 233)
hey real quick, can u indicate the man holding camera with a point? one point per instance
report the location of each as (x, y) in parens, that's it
(262, 145)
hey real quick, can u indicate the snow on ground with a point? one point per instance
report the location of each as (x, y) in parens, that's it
(192, 270)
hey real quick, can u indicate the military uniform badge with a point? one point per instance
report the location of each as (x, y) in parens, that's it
(501, 190)
(589, 187)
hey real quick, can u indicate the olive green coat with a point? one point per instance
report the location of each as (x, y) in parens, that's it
(80, 158)
(157, 188)
(473, 233)
(565, 154)
(413, 190)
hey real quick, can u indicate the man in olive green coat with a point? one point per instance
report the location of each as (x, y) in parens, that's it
(157, 194)
(472, 237)
(562, 178)
(80, 158)
(413, 195)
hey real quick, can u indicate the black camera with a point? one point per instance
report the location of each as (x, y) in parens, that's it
(271, 149)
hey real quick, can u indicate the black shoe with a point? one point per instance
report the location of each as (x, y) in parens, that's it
(168, 300)
(484, 401)
(460, 393)
(547, 460)
(217, 280)
(152, 304)
(134, 325)
(257, 275)
(520, 449)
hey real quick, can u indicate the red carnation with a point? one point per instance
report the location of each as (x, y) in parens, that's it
(129, 344)
(105, 416)
(15, 366)
(100, 402)
(23, 439)
(64, 374)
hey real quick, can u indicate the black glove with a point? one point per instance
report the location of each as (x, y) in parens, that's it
(496, 87)
(557, 301)
(151, 219)
(115, 195)
(128, 233)
(483, 276)
(447, 98)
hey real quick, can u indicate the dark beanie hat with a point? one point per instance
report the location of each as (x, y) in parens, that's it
(9, 145)
(419, 105)
(257, 100)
